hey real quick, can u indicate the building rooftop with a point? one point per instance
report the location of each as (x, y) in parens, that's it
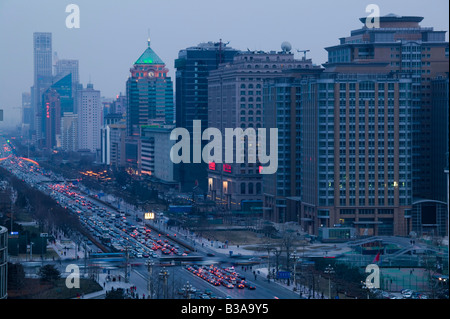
(149, 57)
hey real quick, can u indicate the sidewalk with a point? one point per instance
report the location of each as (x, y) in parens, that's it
(109, 282)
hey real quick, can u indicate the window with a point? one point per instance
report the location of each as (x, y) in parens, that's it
(242, 188)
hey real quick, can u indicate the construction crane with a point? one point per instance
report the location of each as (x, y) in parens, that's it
(304, 53)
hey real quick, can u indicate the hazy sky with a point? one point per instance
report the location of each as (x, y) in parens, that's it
(113, 33)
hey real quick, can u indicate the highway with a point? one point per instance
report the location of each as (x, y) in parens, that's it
(121, 232)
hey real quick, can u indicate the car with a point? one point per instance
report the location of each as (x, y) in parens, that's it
(407, 293)
(251, 287)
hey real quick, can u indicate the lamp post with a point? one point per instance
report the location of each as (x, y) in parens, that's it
(164, 274)
(150, 265)
(329, 270)
(294, 256)
(187, 290)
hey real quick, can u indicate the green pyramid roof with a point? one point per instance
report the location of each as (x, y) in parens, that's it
(149, 57)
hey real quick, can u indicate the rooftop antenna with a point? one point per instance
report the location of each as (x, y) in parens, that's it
(148, 38)
(304, 53)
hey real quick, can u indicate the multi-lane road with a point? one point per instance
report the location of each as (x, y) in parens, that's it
(121, 232)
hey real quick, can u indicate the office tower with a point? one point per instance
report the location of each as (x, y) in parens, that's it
(51, 119)
(192, 69)
(105, 145)
(154, 153)
(26, 108)
(149, 93)
(42, 79)
(89, 118)
(42, 45)
(364, 156)
(290, 106)
(439, 137)
(69, 132)
(64, 86)
(117, 135)
(27, 115)
(105, 138)
(401, 45)
(120, 104)
(65, 67)
(235, 100)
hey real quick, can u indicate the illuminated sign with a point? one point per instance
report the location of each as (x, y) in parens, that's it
(47, 106)
(212, 166)
(149, 215)
(227, 168)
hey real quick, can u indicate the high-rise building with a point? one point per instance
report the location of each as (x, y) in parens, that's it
(439, 137)
(235, 100)
(154, 153)
(401, 45)
(117, 136)
(42, 45)
(27, 114)
(290, 106)
(89, 118)
(149, 93)
(193, 66)
(51, 120)
(42, 79)
(69, 132)
(64, 67)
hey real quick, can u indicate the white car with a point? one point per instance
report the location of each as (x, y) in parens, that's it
(407, 293)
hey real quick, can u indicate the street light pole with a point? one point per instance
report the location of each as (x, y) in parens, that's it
(164, 274)
(329, 270)
(150, 278)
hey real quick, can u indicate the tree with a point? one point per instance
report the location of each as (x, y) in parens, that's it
(118, 293)
(49, 273)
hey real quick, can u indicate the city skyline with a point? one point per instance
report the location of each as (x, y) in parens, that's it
(118, 44)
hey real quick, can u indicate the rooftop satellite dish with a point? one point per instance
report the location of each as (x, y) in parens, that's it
(286, 46)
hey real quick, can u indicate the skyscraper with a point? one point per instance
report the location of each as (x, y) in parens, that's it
(235, 100)
(401, 45)
(290, 105)
(64, 67)
(89, 118)
(149, 93)
(42, 57)
(51, 119)
(193, 66)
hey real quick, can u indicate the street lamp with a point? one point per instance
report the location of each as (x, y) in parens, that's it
(329, 270)
(164, 274)
(187, 290)
(294, 256)
(150, 265)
